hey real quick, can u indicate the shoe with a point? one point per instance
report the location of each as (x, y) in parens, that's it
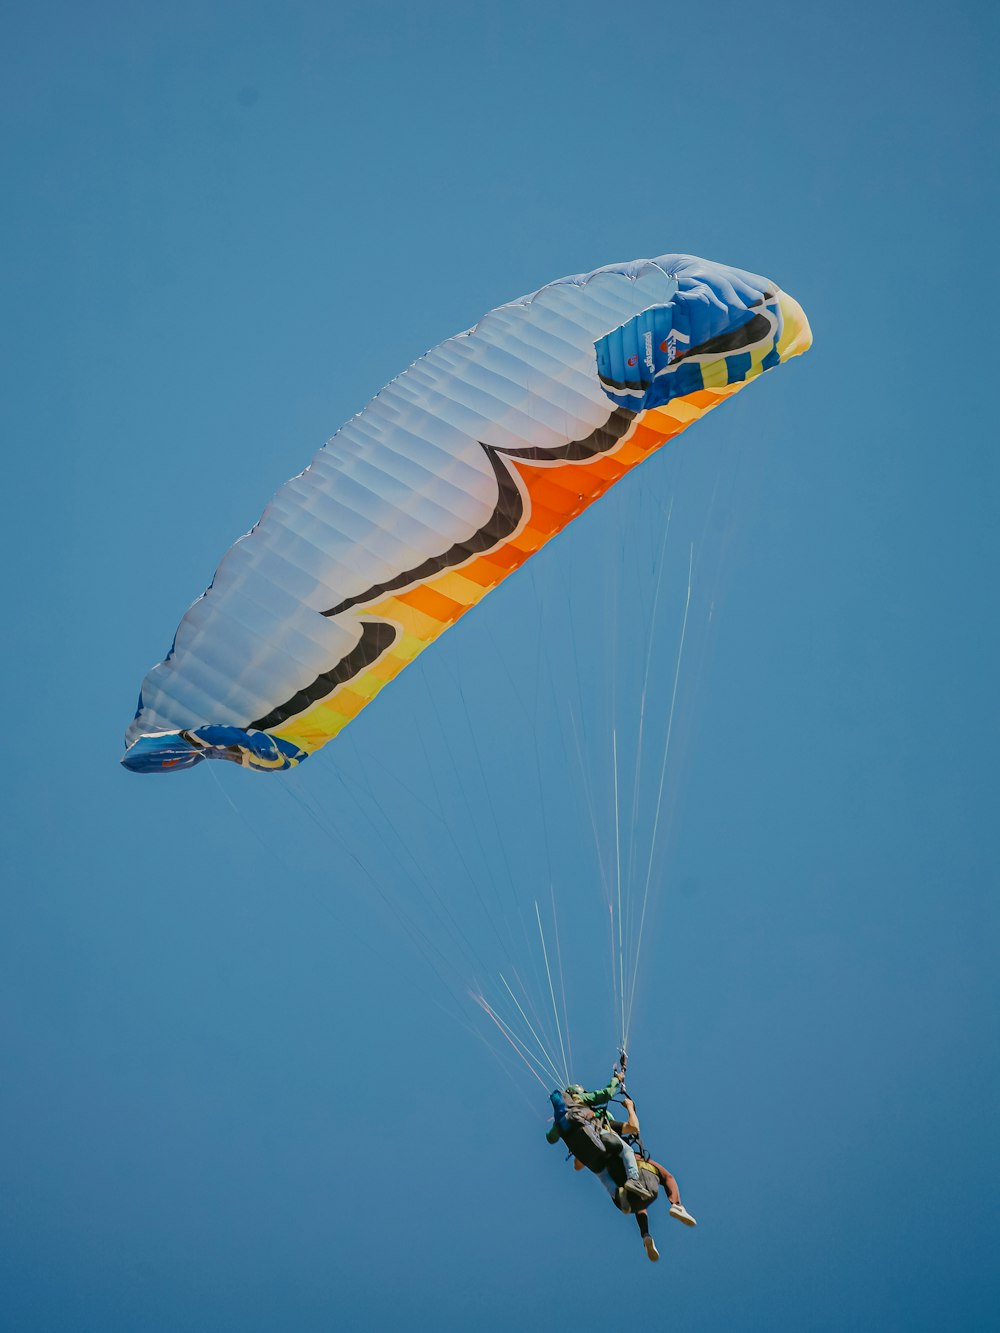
(652, 1252)
(681, 1213)
(622, 1200)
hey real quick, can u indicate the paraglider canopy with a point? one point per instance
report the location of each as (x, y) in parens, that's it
(457, 472)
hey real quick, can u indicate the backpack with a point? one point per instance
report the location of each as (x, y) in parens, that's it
(578, 1130)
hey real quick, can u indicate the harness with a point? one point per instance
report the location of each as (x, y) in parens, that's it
(586, 1129)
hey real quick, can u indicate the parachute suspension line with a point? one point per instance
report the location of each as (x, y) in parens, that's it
(614, 961)
(552, 898)
(642, 698)
(486, 788)
(618, 860)
(342, 924)
(590, 809)
(564, 707)
(473, 823)
(526, 991)
(600, 861)
(579, 745)
(235, 808)
(633, 831)
(620, 575)
(542, 804)
(486, 1039)
(516, 693)
(552, 994)
(379, 807)
(447, 916)
(525, 1055)
(508, 1033)
(562, 982)
(417, 938)
(659, 796)
(503, 848)
(413, 795)
(538, 1041)
(509, 945)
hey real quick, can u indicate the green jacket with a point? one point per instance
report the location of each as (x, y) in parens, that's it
(599, 1098)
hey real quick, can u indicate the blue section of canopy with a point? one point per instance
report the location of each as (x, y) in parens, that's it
(166, 752)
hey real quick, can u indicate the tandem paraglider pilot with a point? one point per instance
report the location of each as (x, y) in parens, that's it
(608, 1148)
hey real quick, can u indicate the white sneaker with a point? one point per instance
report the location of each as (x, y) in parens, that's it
(681, 1213)
(651, 1249)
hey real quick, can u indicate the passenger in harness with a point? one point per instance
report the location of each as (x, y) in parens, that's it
(653, 1176)
(596, 1142)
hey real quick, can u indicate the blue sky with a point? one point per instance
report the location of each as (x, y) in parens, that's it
(235, 1095)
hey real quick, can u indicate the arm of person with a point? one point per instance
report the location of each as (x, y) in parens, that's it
(631, 1126)
(667, 1181)
(603, 1095)
(661, 1171)
(626, 1128)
